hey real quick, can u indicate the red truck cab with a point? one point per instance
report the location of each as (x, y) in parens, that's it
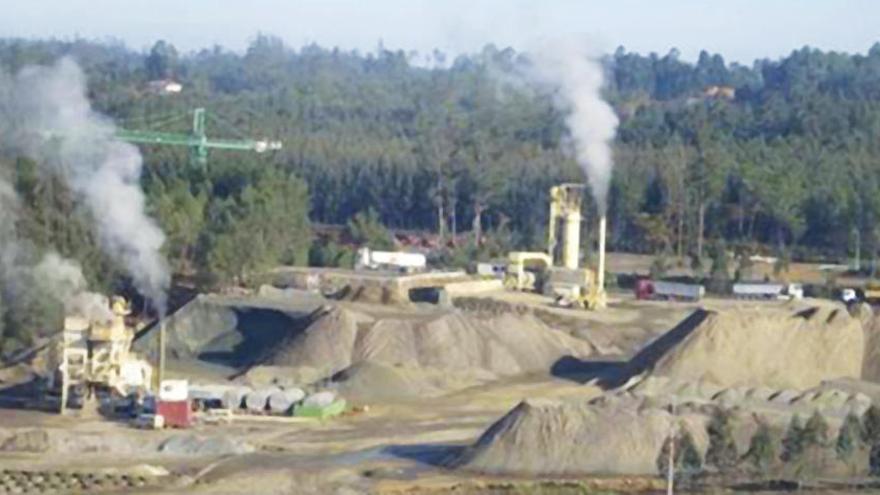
(644, 288)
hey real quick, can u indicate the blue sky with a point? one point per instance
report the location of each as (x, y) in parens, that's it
(741, 30)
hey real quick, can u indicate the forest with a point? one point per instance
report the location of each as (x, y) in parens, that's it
(778, 158)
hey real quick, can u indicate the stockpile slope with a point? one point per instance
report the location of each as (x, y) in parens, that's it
(871, 360)
(454, 342)
(758, 346)
(229, 329)
(325, 345)
(554, 438)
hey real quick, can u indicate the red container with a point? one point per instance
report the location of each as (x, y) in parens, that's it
(177, 414)
(644, 288)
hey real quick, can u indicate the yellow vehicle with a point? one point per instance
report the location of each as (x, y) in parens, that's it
(872, 291)
(525, 270)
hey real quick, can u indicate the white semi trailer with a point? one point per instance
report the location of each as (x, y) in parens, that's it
(390, 260)
(768, 291)
(658, 289)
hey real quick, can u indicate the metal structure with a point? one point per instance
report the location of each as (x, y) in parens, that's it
(517, 277)
(197, 141)
(95, 354)
(558, 272)
(565, 216)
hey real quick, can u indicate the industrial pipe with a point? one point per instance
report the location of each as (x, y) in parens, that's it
(571, 247)
(600, 272)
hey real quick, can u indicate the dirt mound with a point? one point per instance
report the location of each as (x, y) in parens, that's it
(472, 347)
(871, 360)
(373, 294)
(325, 345)
(834, 399)
(230, 331)
(377, 381)
(187, 444)
(752, 347)
(553, 438)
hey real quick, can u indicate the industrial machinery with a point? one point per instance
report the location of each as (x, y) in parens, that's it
(525, 270)
(871, 292)
(197, 141)
(94, 355)
(566, 280)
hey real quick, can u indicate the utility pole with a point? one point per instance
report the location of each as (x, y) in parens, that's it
(670, 470)
(161, 370)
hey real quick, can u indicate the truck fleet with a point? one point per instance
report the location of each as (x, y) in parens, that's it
(665, 290)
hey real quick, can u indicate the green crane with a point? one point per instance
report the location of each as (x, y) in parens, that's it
(199, 144)
(198, 141)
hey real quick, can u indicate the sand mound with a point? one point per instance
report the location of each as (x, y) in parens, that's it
(230, 331)
(757, 347)
(471, 347)
(187, 444)
(552, 438)
(871, 360)
(325, 345)
(377, 381)
(373, 294)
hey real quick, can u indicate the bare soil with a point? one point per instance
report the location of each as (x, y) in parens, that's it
(397, 445)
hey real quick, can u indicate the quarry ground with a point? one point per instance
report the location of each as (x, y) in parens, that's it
(395, 446)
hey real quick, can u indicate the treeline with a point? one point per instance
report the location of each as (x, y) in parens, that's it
(779, 156)
(805, 451)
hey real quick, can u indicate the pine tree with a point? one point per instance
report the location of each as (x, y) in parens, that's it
(663, 457)
(366, 230)
(691, 461)
(849, 438)
(719, 277)
(815, 433)
(871, 425)
(793, 442)
(874, 460)
(686, 458)
(722, 452)
(762, 449)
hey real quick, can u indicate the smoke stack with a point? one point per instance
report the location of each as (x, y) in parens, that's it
(571, 247)
(600, 271)
(161, 375)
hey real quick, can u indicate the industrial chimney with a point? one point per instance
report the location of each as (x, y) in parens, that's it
(600, 270)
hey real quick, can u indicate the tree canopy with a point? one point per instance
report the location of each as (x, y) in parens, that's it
(778, 157)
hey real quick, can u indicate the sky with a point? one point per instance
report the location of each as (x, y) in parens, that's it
(741, 30)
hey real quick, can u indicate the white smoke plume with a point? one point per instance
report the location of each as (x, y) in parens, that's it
(54, 275)
(571, 69)
(10, 251)
(49, 118)
(63, 278)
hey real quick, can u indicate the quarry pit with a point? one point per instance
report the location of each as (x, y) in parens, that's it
(482, 392)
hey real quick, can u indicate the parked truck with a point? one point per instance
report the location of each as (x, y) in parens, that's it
(658, 289)
(761, 290)
(390, 260)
